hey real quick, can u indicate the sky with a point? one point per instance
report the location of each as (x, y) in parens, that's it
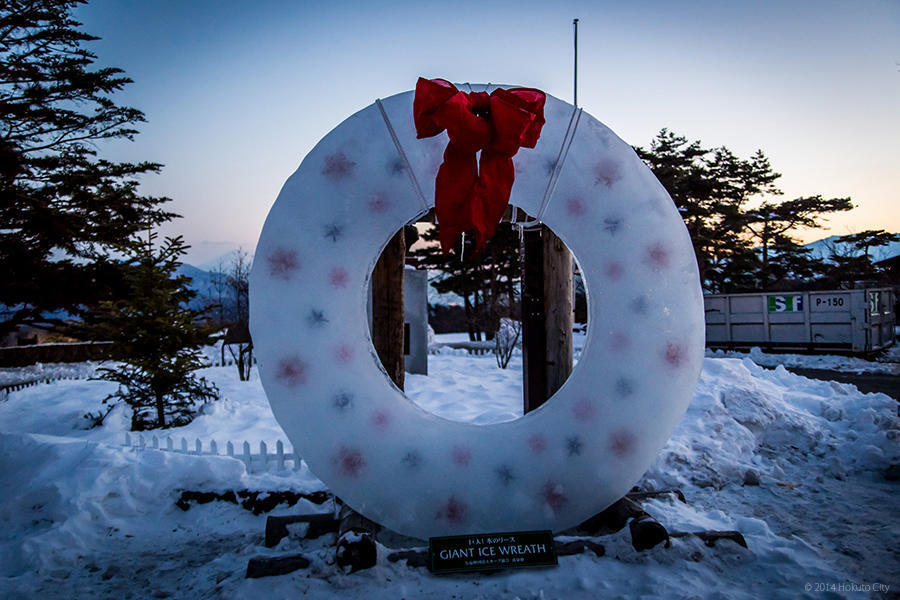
(236, 93)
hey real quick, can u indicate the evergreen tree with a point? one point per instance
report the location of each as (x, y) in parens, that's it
(488, 282)
(157, 338)
(857, 265)
(771, 224)
(870, 238)
(741, 233)
(63, 208)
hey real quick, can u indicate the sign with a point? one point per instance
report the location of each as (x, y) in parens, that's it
(785, 303)
(491, 551)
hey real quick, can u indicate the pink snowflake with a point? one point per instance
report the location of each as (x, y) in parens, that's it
(674, 355)
(350, 461)
(291, 371)
(337, 166)
(537, 443)
(614, 271)
(554, 494)
(658, 256)
(338, 277)
(454, 511)
(607, 172)
(622, 443)
(378, 204)
(583, 409)
(575, 207)
(381, 420)
(462, 456)
(619, 341)
(282, 263)
(344, 353)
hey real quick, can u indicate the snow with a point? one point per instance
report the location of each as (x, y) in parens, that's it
(887, 363)
(85, 517)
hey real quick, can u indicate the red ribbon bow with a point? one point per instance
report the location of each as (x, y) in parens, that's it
(471, 195)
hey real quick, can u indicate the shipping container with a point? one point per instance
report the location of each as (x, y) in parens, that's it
(857, 321)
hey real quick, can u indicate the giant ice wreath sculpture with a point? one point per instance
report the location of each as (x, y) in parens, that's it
(420, 474)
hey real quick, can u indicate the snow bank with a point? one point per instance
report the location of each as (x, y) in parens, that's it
(746, 417)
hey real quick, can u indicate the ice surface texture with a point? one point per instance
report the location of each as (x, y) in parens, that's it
(423, 475)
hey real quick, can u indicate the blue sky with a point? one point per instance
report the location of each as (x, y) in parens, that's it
(236, 93)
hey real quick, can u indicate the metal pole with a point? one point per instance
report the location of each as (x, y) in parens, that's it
(575, 99)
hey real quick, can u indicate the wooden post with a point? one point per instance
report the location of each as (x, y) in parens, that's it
(387, 307)
(559, 296)
(534, 335)
(547, 303)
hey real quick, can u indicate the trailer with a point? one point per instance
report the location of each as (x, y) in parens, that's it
(857, 321)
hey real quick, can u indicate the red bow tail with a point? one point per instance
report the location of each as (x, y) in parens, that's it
(471, 195)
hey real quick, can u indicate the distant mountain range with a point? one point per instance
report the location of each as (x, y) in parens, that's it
(824, 249)
(201, 282)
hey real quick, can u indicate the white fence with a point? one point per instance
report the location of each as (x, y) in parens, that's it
(261, 461)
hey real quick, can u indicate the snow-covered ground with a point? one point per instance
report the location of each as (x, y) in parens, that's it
(85, 517)
(887, 363)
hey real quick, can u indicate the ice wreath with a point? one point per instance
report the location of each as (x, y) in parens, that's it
(420, 474)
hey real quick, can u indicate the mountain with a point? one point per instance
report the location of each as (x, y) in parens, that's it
(201, 282)
(824, 249)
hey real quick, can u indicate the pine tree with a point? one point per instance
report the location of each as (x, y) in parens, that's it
(740, 231)
(63, 209)
(770, 224)
(858, 265)
(488, 281)
(157, 338)
(870, 238)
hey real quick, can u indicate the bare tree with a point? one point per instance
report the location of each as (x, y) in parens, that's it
(505, 340)
(237, 285)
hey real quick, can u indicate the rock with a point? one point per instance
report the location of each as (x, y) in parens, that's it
(892, 473)
(413, 558)
(612, 519)
(711, 537)
(356, 541)
(318, 524)
(647, 533)
(751, 477)
(267, 566)
(578, 547)
(357, 551)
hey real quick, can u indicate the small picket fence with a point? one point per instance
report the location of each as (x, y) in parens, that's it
(264, 460)
(6, 388)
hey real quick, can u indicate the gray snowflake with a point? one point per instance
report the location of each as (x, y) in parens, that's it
(334, 231)
(411, 460)
(574, 446)
(612, 225)
(316, 318)
(504, 474)
(342, 401)
(640, 305)
(550, 165)
(624, 386)
(396, 167)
